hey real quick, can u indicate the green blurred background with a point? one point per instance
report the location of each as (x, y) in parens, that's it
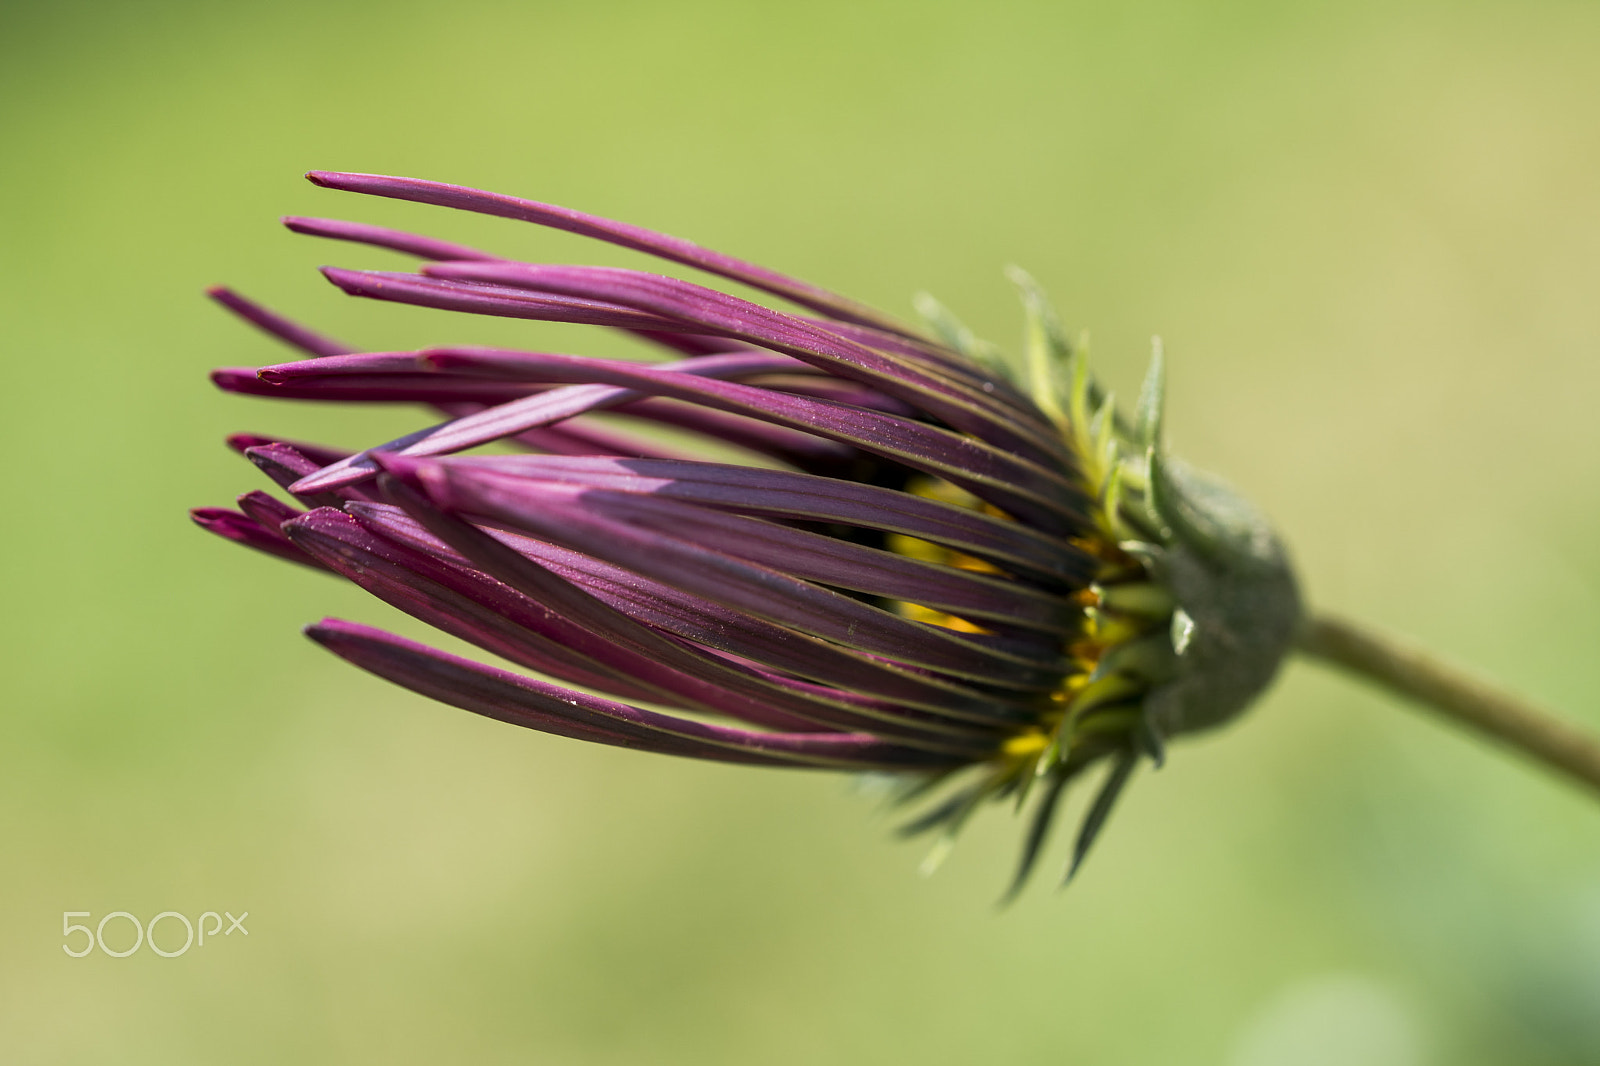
(1369, 234)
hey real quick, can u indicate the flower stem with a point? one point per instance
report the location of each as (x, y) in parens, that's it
(1408, 671)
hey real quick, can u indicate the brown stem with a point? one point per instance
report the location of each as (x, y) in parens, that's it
(1409, 671)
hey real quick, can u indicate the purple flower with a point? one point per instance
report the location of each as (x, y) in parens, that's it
(921, 567)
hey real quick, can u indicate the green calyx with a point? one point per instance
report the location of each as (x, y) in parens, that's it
(1213, 582)
(1186, 622)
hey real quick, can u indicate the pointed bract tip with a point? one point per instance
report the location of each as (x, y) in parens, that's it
(243, 442)
(351, 281)
(207, 517)
(323, 632)
(404, 467)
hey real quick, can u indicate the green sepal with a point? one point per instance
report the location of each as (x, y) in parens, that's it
(1045, 347)
(1038, 832)
(1116, 780)
(1147, 599)
(1152, 398)
(950, 329)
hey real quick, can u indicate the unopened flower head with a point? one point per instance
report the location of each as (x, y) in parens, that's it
(980, 581)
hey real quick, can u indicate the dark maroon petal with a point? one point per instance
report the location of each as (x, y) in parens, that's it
(817, 558)
(381, 653)
(469, 604)
(576, 438)
(688, 343)
(429, 248)
(417, 387)
(674, 249)
(782, 494)
(276, 325)
(838, 390)
(929, 353)
(286, 466)
(1029, 492)
(500, 300)
(1021, 429)
(458, 601)
(524, 701)
(696, 619)
(242, 529)
(559, 514)
(556, 405)
(267, 510)
(316, 453)
(799, 448)
(576, 618)
(740, 364)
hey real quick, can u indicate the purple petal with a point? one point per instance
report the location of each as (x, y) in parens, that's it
(382, 237)
(266, 510)
(286, 467)
(781, 494)
(556, 405)
(1032, 493)
(242, 529)
(696, 619)
(276, 325)
(1017, 428)
(500, 300)
(674, 249)
(573, 617)
(549, 708)
(456, 600)
(429, 248)
(792, 446)
(419, 387)
(817, 558)
(315, 453)
(559, 514)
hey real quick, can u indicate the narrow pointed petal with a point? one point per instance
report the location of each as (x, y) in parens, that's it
(382, 237)
(814, 557)
(430, 248)
(783, 494)
(314, 453)
(560, 515)
(1021, 429)
(1029, 492)
(276, 325)
(242, 529)
(538, 705)
(792, 446)
(414, 666)
(460, 602)
(1001, 477)
(286, 467)
(499, 300)
(716, 627)
(508, 420)
(266, 510)
(588, 624)
(674, 249)
(416, 387)
(618, 658)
